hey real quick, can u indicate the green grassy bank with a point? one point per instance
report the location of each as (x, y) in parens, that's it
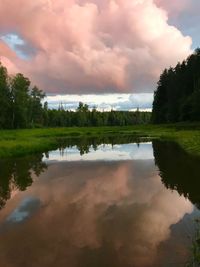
(21, 142)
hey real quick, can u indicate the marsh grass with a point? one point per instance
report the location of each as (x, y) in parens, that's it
(21, 142)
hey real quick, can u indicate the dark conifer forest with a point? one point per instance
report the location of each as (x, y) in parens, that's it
(177, 97)
(23, 106)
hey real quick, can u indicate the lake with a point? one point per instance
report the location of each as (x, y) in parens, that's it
(99, 203)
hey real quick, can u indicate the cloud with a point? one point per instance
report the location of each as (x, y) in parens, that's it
(102, 101)
(95, 46)
(120, 209)
(184, 14)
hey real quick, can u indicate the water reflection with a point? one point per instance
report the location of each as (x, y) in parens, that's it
(104, 152)
(106, 214)
(178, 170)
(99, 213)
(17, 174)
(83, 144)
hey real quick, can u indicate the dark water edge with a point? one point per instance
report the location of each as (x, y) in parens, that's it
(178, 171)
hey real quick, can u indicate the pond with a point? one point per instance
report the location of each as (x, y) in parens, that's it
(99, 203)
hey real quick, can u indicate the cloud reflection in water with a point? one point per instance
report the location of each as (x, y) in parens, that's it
(100, 213)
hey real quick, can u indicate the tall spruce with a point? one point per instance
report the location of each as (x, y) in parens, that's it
(177, 97)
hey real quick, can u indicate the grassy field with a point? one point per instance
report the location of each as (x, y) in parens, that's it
(21, 142)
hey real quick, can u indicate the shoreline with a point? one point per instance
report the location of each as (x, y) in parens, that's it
(15, 143)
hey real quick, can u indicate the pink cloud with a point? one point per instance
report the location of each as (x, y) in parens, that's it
(112, 204)
(91, 45)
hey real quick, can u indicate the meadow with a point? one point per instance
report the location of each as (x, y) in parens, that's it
(21, 142)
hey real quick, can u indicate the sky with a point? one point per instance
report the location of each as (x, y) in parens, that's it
(99, 50)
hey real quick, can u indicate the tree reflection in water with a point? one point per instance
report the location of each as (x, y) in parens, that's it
(17, 174)
(178, 170)
(114, 213)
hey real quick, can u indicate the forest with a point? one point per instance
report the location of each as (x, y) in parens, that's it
(177, 97)
(23, 106)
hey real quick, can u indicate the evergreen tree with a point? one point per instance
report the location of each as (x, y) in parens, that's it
(178, 92)
(35, 106)
(20, 100)
(5, 99)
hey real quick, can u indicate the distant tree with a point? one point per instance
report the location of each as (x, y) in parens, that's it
(82, 107)
(35, 106)
(45, 114)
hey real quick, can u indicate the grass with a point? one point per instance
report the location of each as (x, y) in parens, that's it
(21, 142)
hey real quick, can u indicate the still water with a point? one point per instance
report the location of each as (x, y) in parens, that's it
(99, 204)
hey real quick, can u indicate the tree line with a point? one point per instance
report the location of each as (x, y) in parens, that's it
(21, 106)
(83, 116)
(177, 97)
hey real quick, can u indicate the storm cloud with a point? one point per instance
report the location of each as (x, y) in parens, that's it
(90, 46)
